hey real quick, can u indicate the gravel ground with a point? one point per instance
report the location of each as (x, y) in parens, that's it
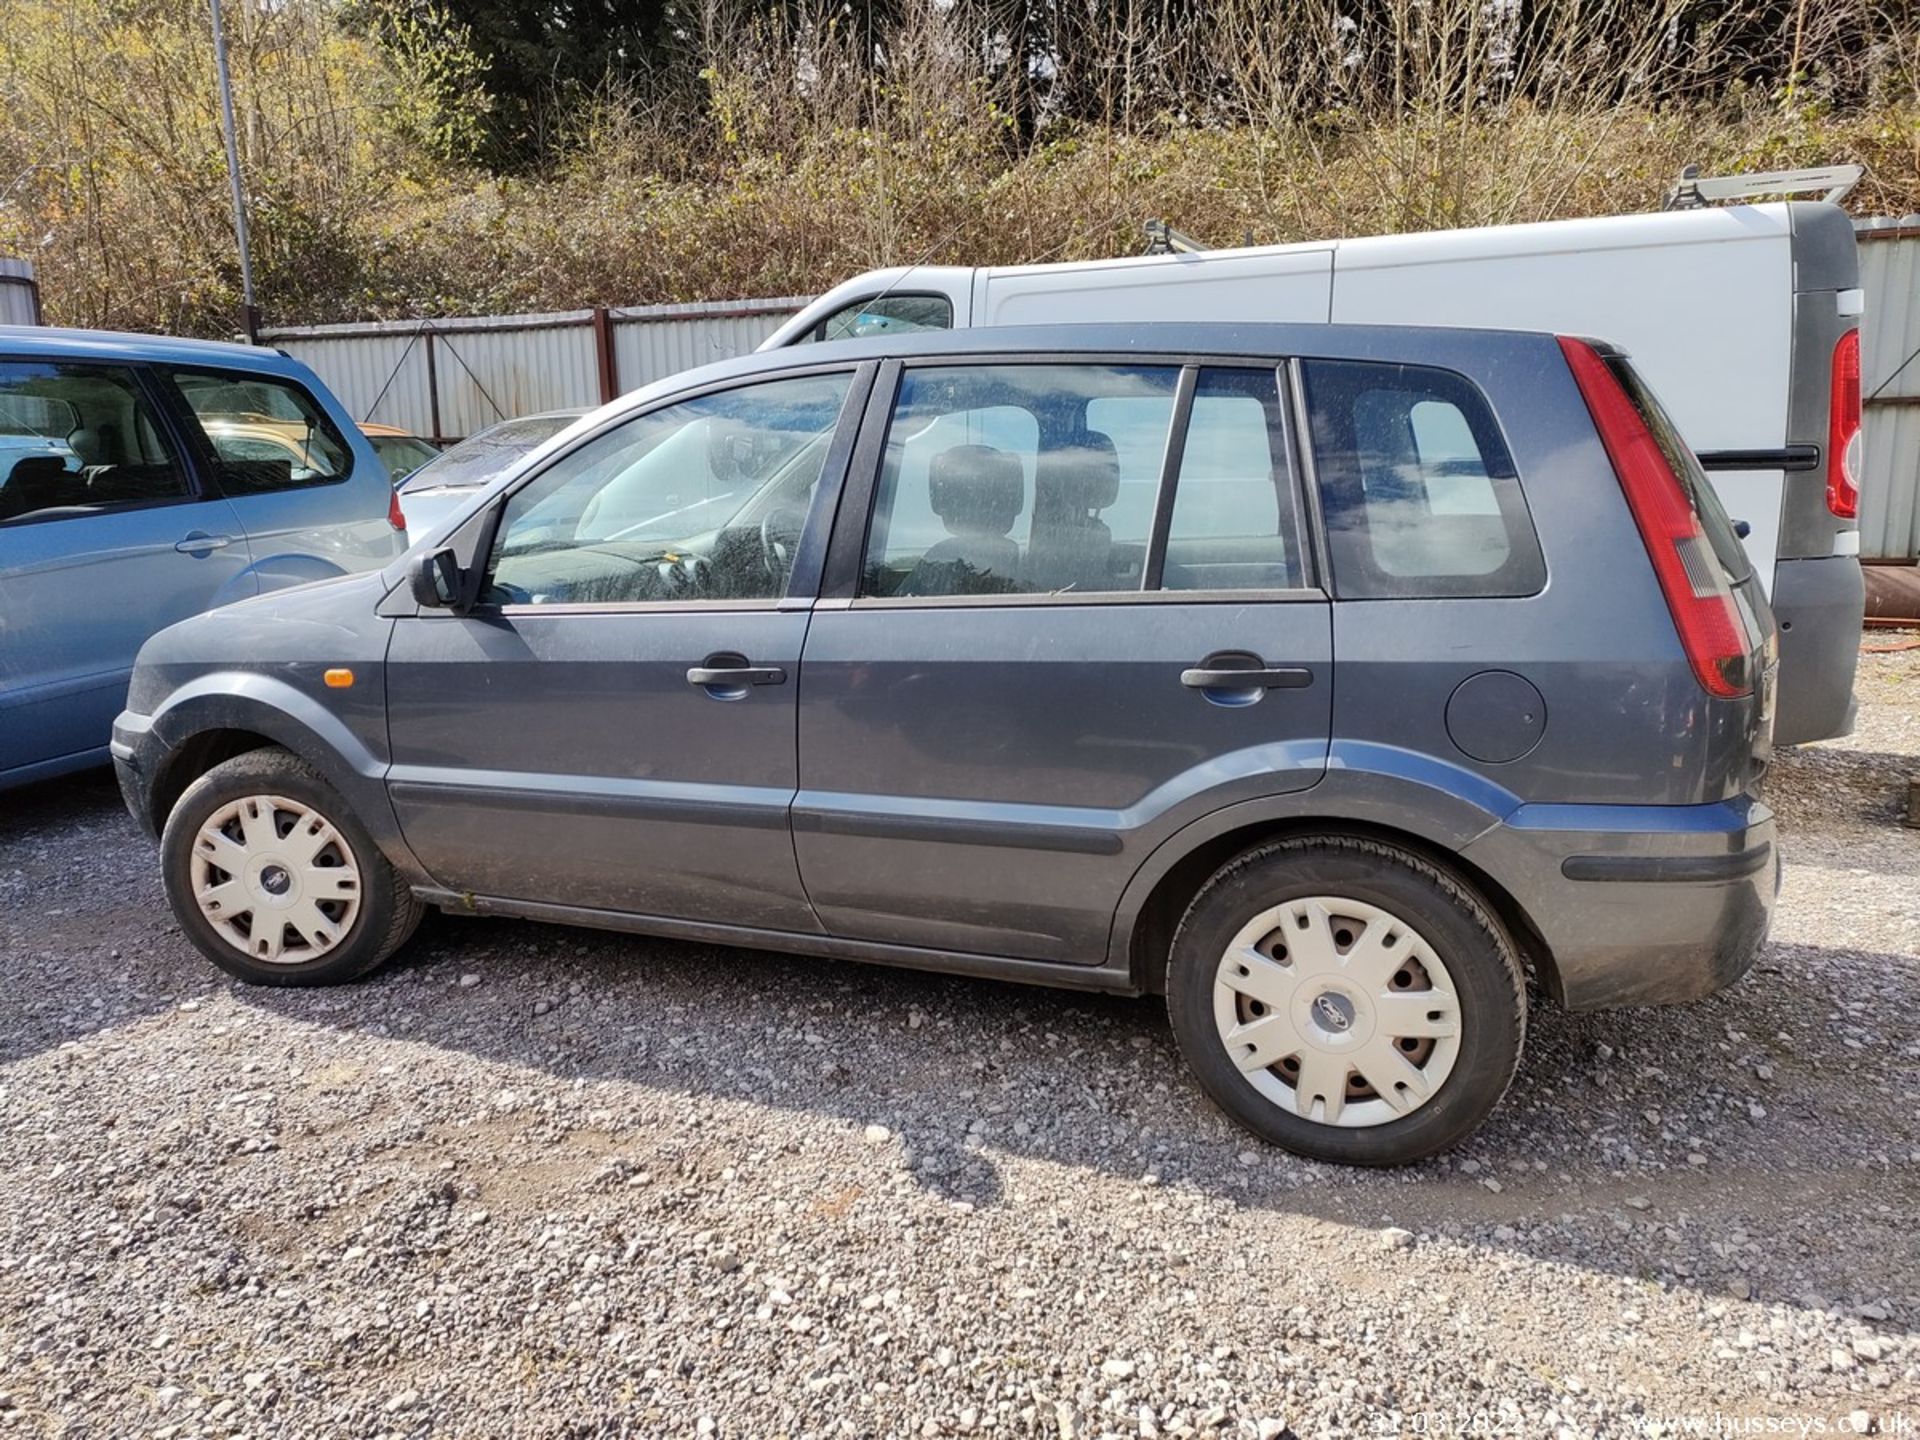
(551, 1183)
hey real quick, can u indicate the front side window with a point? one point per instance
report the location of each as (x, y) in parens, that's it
(703, 500)
(1234, 525)
(885, 315)
(1019, 480)
(1419, 494)
(77, 440)
(265, 434)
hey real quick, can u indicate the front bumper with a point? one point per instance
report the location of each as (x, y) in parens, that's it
(1640, 904)
(1819, 604)
(136, 753)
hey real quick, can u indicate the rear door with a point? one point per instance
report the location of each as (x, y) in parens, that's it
(1074, 615)
(105, 537)
(290, 472)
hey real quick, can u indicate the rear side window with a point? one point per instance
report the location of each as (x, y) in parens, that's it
(1019, 480)
(1419, 494)
(265, 434)
(1233, 524)
(1686, 466)
(78, 439)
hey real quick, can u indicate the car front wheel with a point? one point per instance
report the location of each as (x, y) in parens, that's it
(275, 880)
(1347, 1000)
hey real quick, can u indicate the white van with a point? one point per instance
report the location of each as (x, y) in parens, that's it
(1744, 319)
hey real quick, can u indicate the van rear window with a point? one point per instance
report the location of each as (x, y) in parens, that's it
(1419, 494)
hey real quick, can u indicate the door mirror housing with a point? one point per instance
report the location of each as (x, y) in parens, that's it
(436, 581)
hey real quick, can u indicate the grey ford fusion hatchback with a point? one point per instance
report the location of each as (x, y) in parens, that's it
(1331, 681)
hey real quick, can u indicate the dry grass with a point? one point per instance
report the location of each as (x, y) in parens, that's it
(786, 151)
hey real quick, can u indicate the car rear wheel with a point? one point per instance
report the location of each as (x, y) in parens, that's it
(274, 879)
(1347, 1000)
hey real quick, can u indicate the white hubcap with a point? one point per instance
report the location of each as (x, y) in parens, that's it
(1337, 1010)
(275, 879)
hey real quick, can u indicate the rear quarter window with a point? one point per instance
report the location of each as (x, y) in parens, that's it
(1418, 492)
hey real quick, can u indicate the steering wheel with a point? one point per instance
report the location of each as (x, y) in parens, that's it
(780, 537)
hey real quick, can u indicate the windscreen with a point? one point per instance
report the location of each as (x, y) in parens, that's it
(478, 458)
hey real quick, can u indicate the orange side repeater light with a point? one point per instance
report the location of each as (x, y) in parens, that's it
(338, 679)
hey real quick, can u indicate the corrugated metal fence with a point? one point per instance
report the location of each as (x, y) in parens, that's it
(448, 378)
(1890, 383)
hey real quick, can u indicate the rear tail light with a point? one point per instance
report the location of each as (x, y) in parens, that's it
(1843, 429)
(1696, 588)
(395, 517)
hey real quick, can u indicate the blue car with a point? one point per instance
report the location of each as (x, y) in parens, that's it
(134, 492)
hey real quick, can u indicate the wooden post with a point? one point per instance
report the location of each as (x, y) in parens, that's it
(433, 392)
(603, 353)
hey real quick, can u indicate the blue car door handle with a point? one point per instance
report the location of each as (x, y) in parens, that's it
(199, 542)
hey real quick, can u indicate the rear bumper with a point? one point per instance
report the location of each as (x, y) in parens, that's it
(1819, 604)
(1640, 904)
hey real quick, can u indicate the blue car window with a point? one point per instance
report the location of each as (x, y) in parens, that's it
(78, 439)
(265, 433)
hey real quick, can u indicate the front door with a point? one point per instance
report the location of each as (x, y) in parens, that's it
(612, 726)
(104, 539)
(1080, 619)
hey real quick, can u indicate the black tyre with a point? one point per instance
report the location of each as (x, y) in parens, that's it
(1347, 1000)
(274, 878)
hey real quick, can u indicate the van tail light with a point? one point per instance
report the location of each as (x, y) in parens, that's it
(1843, 429)
(1696, 588)
(395, 516)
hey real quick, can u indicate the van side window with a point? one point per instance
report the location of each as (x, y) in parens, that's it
(77, 440)
(1234, 525)
(885, 315)
(1009, 480)
(265, 434)
(1419, 494)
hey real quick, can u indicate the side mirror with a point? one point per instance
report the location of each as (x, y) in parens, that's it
(434, 579)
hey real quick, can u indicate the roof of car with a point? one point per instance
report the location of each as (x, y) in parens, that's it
(1410, 344)
(110, 344)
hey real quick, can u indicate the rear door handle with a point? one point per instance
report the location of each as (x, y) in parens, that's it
(1279, 677)
(736, 675)
(199, 542)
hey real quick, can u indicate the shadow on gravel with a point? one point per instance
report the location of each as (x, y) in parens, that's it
(1715, 1147)
(86, 940)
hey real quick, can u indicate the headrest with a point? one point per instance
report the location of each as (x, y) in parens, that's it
(1081, 475)
(976, 489)
(96, 444)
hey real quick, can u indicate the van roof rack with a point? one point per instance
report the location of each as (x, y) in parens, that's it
(1694, 191)
(1163, 239)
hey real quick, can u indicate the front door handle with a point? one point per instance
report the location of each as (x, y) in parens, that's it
(199, 542)
(736, 675)
(727, 675)
(1278, 677)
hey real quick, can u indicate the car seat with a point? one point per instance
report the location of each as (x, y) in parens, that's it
(1071, 547)
(977, 491)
